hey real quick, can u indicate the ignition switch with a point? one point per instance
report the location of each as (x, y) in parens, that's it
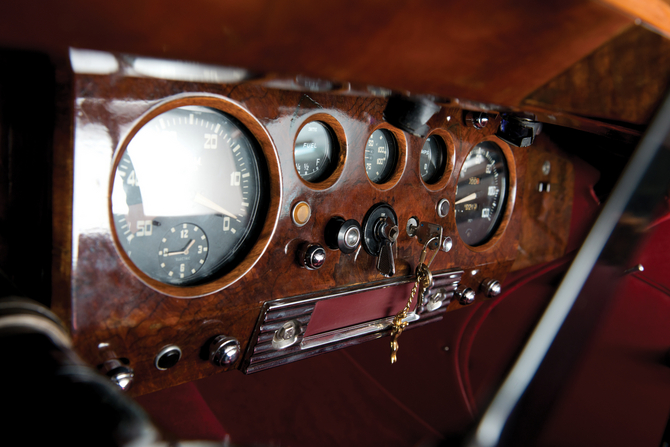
(380, 231)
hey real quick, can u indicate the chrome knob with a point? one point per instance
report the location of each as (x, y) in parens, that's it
(478, 120)
(491, 287)
(224, 350)
(287, 335)
(122, 375)
(311, 256)
(465, 295)
(343, 235)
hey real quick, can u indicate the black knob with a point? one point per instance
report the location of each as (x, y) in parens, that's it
(311, 256)
(343, 235)
(167, 357)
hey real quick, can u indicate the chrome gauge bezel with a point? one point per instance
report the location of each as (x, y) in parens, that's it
(267, 212)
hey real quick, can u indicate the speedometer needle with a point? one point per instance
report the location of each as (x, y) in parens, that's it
(184, 251)
(472, 196)
(204, 201)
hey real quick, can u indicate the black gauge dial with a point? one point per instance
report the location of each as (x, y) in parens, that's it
(187, 197)
(313, 152)
(433, 159)
(481, 193)
(183, 250)
(380, 156)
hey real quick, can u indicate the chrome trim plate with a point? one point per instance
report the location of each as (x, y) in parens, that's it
(263, 354)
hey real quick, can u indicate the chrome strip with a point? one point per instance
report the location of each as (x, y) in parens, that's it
(312, 298)
(307, 353)
(337, 335)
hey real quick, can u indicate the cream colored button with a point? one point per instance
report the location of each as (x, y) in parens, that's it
(301, 213)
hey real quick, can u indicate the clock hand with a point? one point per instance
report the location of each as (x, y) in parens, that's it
(184, 251)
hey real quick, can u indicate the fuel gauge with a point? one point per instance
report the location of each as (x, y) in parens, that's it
(313, 152)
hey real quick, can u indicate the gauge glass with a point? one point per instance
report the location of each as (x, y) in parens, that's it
(187, 197)
(432, 160)
(380, 156)
(481, 193)
(313, 152)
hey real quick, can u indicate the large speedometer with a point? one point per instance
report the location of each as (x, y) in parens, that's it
(187, 196)
(481, 193)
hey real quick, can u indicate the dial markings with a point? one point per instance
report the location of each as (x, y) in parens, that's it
(481, 193)
(183, 134)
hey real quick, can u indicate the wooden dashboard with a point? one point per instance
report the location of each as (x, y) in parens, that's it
(116, 313)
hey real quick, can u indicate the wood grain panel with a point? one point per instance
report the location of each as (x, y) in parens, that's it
(493, 51)
(623, 80)
(546, 214)
(114, 314)
(655, 13)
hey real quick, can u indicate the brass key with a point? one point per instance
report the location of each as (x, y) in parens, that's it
(424, 279)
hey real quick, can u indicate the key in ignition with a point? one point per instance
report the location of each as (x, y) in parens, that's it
(380, 232)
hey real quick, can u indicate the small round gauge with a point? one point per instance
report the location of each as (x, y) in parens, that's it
(188, 195)
(481, 193)
(380, 156)
(433, 159)
(313, 152)
(183, 250)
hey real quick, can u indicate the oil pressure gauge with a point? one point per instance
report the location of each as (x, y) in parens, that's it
(433, 160)
(381, 156)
